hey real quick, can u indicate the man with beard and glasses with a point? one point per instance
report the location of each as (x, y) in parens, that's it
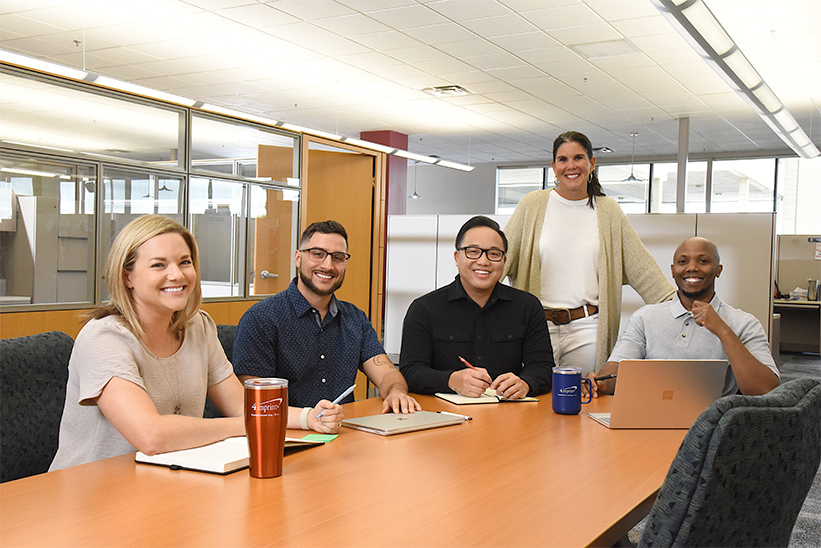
(317, 342)
(695, 324)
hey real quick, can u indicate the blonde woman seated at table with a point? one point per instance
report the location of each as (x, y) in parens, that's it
(142, 366)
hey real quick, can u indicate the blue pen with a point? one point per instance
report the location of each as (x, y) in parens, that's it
(339, 398)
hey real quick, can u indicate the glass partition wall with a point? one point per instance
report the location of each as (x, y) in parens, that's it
(77, 163)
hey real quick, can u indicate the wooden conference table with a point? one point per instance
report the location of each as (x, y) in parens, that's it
(516, 475)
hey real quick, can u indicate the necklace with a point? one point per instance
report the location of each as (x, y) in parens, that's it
(173, 387)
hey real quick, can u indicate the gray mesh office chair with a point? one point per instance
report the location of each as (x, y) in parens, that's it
(742, 472)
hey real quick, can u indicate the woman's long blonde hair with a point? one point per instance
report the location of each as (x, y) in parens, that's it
(121, 258)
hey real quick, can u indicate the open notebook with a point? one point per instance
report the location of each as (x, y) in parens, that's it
(222, 457)
(488, 397)
(663, 393)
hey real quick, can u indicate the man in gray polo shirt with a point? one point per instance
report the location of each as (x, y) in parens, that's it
(695, 324)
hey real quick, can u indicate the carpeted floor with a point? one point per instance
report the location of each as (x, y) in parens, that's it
(807, 530)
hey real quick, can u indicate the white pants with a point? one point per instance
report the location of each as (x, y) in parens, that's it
(574, 343)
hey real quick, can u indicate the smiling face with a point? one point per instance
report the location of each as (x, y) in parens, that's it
(162, 277)
(695, 268)
(324, 277)
(479, 276)
(572, 167)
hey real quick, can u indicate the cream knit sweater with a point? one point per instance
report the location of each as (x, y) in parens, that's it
(623, 259)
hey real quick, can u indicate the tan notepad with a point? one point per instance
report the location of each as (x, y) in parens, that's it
(489, 396)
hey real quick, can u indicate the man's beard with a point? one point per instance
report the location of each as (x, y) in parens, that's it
(696, 294)
(306, 280)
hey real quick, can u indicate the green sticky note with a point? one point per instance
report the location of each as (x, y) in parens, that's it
(320, 437)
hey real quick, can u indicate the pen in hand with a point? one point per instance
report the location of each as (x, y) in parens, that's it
(338, 399)
(464, 361)
(605, 377)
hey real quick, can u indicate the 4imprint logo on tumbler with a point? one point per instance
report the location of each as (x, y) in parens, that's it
(267, 407)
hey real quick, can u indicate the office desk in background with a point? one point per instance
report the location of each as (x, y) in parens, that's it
(800, 325)
(517, 475)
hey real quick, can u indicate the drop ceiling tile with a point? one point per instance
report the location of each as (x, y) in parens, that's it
(368, 60)
(407, 17)
(388, 41)
(515, 73)
(501, 25)
(309, 11)
(417, 54)
(549, 55)
(493, 61)
(587, 34)
(27, 26)
(118, 56)
(463, 10)
(443, 67)
(352, 25)
(37, 48)
(526, 41)
(440, 34)
(546, 87)
(471, 47)
(366, 6)
(623, 9)
(257, 15)
(644, 26)
(565, 17)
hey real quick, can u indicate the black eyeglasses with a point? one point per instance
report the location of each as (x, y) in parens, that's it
(318, 254)
(493, 255)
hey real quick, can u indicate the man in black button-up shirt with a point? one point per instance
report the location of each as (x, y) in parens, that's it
(500, 331)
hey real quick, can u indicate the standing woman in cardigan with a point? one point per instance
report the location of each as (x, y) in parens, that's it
(573, 248)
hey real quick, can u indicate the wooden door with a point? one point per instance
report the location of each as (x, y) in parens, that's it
(342, 185)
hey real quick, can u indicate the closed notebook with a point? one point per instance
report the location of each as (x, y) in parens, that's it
(222, 457)
(488, 397)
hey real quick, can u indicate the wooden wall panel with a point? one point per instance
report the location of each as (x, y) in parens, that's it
(20, 324)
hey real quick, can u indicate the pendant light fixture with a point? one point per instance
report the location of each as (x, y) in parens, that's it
(415, 196)
(632, 178)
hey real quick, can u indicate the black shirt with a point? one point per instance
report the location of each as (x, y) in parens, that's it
(508, 335)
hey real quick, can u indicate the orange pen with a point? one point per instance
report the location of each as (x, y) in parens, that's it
(464, 361)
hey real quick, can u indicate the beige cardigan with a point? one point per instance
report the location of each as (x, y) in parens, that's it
(623, 259)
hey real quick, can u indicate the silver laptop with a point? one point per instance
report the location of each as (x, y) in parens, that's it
(663, 393)
(398, 423)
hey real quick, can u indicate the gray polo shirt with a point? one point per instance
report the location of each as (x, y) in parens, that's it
(668, 331)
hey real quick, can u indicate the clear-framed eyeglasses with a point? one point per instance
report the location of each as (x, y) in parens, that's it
(318, 254)
(473, 253)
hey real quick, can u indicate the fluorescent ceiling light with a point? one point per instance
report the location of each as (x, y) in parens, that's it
(142, 90)
(128, 87)
(454, 165)
(368, 144)
(699, 27)
(708, 27)
(415, 157)
(609, 48)
(40, 65)
(768, 99)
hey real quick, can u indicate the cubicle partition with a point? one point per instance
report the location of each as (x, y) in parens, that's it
(420, 259)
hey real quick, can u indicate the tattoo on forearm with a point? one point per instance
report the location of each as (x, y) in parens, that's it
(381, 360)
